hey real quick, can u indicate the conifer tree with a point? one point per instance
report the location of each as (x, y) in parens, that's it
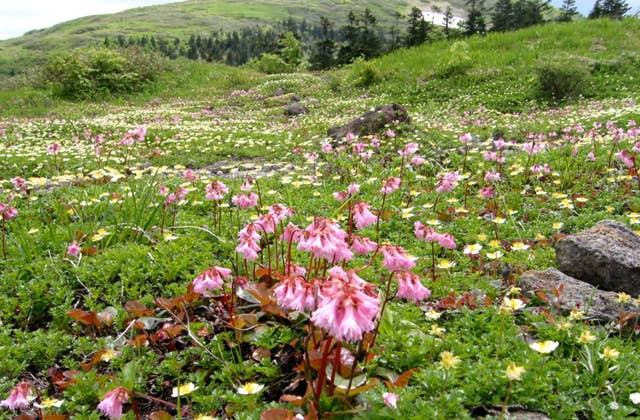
(568, 11)
(502, 17)
(323, 54)
(418, 29)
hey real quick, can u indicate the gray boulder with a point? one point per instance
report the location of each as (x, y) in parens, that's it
(596, 304)
(606, 256)
(371, 122)
(295, 108)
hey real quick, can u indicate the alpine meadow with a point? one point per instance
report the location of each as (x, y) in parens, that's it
(322, 209)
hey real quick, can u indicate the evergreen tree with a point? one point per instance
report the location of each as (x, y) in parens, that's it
(349, 32)
(613, 9)
(418, 29)
(475, 23)
(568, 11)
(448, 17)
(323, 54)
(503, 17)
(291, 50)
(370, 43)
(529, 12)
(395, 32)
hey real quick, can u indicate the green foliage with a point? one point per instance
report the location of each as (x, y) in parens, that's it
(563, 78)
(458, 60)
(364, 74)
(93, 73)
(271, 64)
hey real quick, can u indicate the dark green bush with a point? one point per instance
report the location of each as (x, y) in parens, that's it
(93, 73)
(563, 78)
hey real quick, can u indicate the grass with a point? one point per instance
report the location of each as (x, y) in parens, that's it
(122, 312)
(180, 20)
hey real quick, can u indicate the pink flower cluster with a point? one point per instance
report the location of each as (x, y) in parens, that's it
(447, 182)
(111, 404)
(18, 398)
(7, 212)
(427, 234)
(210, 279)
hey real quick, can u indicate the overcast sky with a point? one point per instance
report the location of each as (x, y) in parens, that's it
(20, 16)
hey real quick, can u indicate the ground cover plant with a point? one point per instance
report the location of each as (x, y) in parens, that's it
(202, 258)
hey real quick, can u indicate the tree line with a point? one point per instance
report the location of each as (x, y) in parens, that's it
(324, 45)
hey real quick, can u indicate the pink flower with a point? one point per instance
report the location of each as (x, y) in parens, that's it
(249, 239)
(324, 239)
(488, 192)
(291, 233)
(417, 160)
(425, 233)
(409, 149)
(466, 138)
(362, 215)
(280, 212)
(340, 195)
(353, 189)
(350, 137)
(447, 182)
(390, 185)
(626, 158)
(190, 175)
(447, 240)
(591, 156)
(215, 190)
(362, 245)
(390, 399)
(410, 288)
(492, 176)
(7, 212)
(111, 404)
(538, 168)
(326, 147)
(245, 201)
(395, 258)
(210, 279)
(266, 223)
(18, 182)
(247, 185)
(18, 398)
(347, 306)
(294, 293)
(53, 148)
(163, 190)
(73, 249)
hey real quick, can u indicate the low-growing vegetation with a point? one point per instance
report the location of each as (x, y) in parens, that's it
(200, 255)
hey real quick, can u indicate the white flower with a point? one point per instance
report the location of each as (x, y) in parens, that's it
(183, 390)
(250, 388)
(635, 397)
(544, 347)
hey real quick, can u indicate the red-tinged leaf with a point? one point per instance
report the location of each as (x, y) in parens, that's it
(403, 379)
(23, 417)
(79, 235)
(137, 309)
(84, 317)
(274, 309)
(277, 414)
(160, 415)
(293, 399)
(166, 303)
(241, 321)
(371, 383)
(626, 317)
(445, 217)
(264, 275)
(55, 416)
(260, 292)
(542, 295)
(139, 340)
(203, 332)
(557, 291)
(488, 301)
(87, 252)
(557, 237)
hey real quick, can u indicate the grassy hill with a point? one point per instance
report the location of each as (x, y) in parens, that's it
(186, 18)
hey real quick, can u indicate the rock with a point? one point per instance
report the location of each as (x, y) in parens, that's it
(371, 122)
(295, 108)
(278, 92)
(597, 304)
(607, 256)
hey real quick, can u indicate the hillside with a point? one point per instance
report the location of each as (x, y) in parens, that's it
(186, 18)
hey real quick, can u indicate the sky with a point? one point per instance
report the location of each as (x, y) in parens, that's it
(20, 16)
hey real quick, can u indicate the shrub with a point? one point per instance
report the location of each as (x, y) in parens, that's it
(563, 78)
(91, 73)
(458, 62)
(271, 64)
(364, 74)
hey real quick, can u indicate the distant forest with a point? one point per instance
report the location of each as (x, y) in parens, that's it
(324, 45)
